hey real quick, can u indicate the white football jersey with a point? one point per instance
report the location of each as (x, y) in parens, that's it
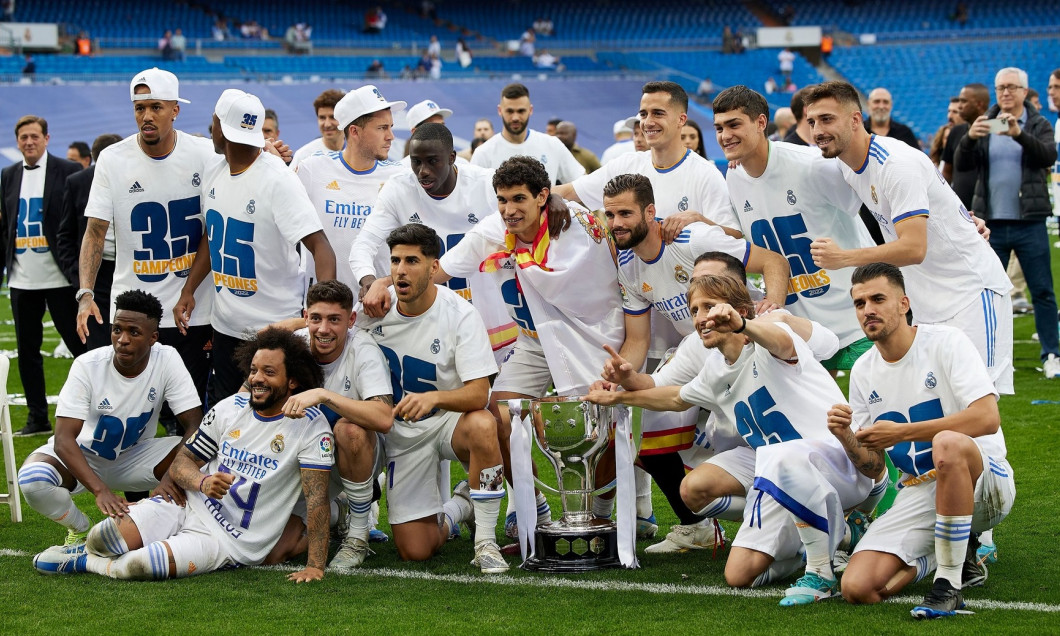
(266, 455)
(560, 164)
(402, 200)
(359, 373)
(745, 395)
(662, 282)
(801, 197)
(692, 184)
(343, 198)
(898, 182)
(118, 411)
(154, 207)
(439, 350)
(940, 375)
(254, 220)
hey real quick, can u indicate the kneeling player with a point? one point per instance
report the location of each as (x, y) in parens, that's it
(106, 421)
(257, 463)
(440, 362)
(925, 397)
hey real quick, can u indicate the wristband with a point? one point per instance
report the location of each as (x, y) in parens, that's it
(743, 325)
(84, 291)
(202, 482)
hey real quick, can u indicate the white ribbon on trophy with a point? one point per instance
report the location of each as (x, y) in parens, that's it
(626, 503)
(522, 487)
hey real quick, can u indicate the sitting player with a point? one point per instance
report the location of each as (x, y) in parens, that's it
(440, 362)
(236, 510)
(106, 422)
(925, 397)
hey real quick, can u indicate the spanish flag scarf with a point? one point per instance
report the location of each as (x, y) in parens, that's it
(536, 256)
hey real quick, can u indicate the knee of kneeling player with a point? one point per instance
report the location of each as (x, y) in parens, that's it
(946, 449)
(416, 552)
(692, 498)
(350, 438)
(858, 589)
(738, 576)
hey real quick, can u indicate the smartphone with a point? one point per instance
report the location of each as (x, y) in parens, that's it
(996, 126)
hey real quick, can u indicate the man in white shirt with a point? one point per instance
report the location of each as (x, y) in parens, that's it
(238, 508)
(785, 196)
(331, 135)
(145, 208)
(953, 276)
(256, 212)
(923, 397)
(517, 139)
(688, 188)
(623, 132)
(106, 421)
(440, 362)
(344, 186)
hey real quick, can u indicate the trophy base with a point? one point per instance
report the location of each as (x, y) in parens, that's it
(562, 549)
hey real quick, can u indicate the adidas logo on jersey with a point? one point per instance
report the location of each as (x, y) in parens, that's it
(135, 187)
(211, 195)
(378, 331)
(334, 185)
(234, 434)
(874, 398)
(747, 206)
(105, 405)
(645, 287)
(415, 218)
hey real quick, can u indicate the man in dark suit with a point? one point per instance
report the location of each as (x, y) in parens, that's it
(39, 273)
(78, 186)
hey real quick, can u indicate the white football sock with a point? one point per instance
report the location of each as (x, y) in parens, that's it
(951, 543)
(359, 497)
(41, 485)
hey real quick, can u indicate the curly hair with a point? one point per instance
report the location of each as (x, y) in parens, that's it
(140, 302)
(297, 359)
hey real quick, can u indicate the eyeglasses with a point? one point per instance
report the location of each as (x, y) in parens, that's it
(1007, 88)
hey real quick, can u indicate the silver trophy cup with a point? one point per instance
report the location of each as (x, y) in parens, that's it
(574, 437)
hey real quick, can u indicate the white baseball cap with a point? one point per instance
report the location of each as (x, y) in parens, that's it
(162, 84)
(241, 115)
(364, 100)
(423, 111)
(624, 125)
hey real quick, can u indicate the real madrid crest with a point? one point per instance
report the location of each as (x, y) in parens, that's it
(195, 180)
(683, 204)
(436, 346)
(277, 443)
(791, 198)
(872, 191)
(930, 381)
(250, 207)
(471, 218)
(680, 275)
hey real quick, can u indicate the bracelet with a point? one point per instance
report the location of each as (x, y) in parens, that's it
(743, 325)
(202, 482)
(84, 291)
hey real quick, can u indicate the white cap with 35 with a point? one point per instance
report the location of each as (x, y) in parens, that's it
(241, 115)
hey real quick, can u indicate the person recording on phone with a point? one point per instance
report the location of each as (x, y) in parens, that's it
(1012, 194)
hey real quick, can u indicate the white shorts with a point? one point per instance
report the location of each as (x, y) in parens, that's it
(195, 550)
(987, 321)
(907, 529)
(412, 455)
(133, 470)
(525, 370)
(767, 527)
(710, 439)
(738, 462)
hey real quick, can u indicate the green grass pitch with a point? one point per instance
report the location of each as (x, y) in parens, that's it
(668, 594)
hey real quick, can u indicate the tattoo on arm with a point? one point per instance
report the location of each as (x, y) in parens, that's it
(385, 399)
(869, 463)
(315, 487)
(93, 256)
(185, 469)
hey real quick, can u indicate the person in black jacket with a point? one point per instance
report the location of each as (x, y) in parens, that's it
(75, 199)
(39, 272)
(880, 121)
(1012, 194)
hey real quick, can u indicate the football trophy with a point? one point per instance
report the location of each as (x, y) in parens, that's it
(573, 436)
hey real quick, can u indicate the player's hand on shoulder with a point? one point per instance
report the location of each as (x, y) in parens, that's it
(377, 300)
(673, 224)
(280, 149)
(299, 402)
(306, 575)
(170, 491)
(764, 306)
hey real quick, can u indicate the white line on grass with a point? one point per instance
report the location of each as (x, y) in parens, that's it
(4, 552)
(651, 588)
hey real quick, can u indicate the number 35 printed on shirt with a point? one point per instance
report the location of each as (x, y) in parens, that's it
(169, 237)
(232, 254)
